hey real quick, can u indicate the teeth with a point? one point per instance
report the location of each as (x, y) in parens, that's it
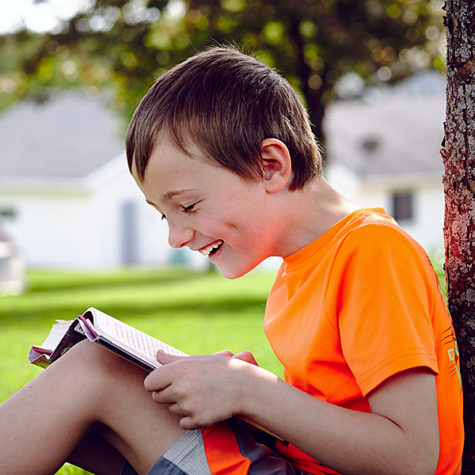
(206, 251)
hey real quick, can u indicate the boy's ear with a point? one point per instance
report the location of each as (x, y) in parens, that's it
(276, 165)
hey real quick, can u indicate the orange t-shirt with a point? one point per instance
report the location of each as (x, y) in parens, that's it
(356, 306)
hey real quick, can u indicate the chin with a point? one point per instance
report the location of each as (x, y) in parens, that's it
(230, 274)
(235, 273)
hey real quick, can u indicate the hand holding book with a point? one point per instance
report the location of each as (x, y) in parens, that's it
(124, 340)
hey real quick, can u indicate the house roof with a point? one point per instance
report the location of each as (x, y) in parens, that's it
(67, 137)
(392, 135)
(74, 134)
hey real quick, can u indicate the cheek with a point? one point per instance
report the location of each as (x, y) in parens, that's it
(234, 225)
(220, 223)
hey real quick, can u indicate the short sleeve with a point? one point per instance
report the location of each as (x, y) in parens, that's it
(385, 297)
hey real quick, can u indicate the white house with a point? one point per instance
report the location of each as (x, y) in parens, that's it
(384, 151)
(66, 196)
(67, 199)
(12, 267)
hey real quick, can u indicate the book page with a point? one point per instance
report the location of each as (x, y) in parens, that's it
(63, 336)
(56, 334)
(130, 336)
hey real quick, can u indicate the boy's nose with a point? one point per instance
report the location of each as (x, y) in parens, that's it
(179, 236)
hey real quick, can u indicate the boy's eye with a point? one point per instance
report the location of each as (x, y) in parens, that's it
(189, 209)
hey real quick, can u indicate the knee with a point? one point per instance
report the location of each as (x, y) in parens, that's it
(97, 364)
(88, 355)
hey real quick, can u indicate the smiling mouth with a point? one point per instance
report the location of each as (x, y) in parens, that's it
(211, 249)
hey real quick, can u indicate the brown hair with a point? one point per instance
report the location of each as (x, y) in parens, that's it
(226, 103)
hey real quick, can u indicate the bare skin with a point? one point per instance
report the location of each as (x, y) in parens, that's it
(86, 389)
(100, 404)
(399, 436)
(94, 454)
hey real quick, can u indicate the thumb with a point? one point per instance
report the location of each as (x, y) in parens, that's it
(166, 358)
(246, 356)
(224, 353)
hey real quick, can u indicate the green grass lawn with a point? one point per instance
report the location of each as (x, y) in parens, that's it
(198, 313)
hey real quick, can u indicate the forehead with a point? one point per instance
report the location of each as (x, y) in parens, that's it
(170, 171)
(167, 155)
(163, 147)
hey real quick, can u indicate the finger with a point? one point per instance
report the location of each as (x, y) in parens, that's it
(177, 410)
(166, 358)
(163, 397)
(246, 356)
(156, 380)
(187, 423)
(224, 353)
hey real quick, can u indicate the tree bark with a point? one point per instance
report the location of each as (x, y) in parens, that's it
(313, 97)
(458, 154)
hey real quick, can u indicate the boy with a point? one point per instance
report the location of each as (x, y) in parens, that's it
(222, 148)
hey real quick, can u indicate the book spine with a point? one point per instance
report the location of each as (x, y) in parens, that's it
(72, 336)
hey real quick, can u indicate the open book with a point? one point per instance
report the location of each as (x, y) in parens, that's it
(117, 336)
(97, 326)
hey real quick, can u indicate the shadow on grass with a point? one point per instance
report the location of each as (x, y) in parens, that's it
(199, 307)
(62, 280)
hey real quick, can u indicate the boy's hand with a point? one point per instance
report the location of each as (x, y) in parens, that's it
(202, 390)
(245, 355)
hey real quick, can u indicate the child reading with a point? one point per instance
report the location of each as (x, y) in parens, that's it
(222, 148)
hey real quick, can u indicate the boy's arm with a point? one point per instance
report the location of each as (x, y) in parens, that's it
(399, 436)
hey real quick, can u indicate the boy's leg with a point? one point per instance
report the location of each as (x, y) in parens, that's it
(42, 424)
(96, 455)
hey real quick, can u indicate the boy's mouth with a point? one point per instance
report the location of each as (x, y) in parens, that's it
(211, 249)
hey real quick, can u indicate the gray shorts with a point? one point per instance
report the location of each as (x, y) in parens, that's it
(187, 455)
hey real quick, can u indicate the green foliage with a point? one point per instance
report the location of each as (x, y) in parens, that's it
(127, 43)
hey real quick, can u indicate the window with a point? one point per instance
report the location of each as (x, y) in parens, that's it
(8, 213)
(403, 205)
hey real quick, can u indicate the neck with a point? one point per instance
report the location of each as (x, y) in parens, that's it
(310, 212)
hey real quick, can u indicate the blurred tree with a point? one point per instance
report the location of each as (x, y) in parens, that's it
(314, 43)
(459, 183)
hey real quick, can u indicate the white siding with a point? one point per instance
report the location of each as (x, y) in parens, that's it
(81, 226)
(427, 225)
(50, 230)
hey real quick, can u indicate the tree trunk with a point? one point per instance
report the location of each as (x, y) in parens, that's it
(313, 97)
(458, 153)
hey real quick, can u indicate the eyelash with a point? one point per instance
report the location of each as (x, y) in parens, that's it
(185, 209)
(189, 209)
